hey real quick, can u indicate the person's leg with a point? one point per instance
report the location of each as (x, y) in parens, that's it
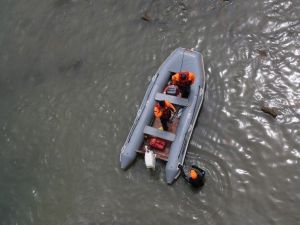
(164, 123)
(186, 91)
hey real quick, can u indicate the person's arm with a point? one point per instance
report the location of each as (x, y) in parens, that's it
(165, 90)
(170, 105)
(174, 78)
(157, 112)
(192, 75)
(182, 172)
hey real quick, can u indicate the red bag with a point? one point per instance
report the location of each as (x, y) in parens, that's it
(157, 143)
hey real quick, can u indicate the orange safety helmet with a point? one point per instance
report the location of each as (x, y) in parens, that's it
(193, 174)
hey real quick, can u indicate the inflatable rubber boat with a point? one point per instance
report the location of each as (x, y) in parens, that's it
(146, 128)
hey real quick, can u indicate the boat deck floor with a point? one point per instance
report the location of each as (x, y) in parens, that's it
(161, 154)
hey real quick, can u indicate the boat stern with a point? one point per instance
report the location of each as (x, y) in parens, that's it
(126, 158)
(172, 172)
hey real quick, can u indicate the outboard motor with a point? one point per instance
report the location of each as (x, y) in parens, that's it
(150, 158)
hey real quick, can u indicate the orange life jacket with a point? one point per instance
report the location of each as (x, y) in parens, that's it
(190, 78)
(165, 111)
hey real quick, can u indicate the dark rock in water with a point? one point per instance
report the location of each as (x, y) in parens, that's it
(146, 17)
(270, 110)
(262, 53)
(77, 64)
(182, 6)
(74, 66)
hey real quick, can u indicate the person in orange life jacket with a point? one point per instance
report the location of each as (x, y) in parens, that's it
(184, 80)
(172, 89)
(196, 176)
(163, 110)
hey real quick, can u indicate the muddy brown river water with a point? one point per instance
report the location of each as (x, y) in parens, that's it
(72, 76)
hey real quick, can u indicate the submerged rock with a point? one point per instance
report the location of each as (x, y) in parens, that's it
(270, 110)
(146, 17)
(262, 53)
(72, 66)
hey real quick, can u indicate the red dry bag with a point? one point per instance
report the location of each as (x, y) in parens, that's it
(157, 143)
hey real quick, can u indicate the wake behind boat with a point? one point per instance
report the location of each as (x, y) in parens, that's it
(146, 135)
